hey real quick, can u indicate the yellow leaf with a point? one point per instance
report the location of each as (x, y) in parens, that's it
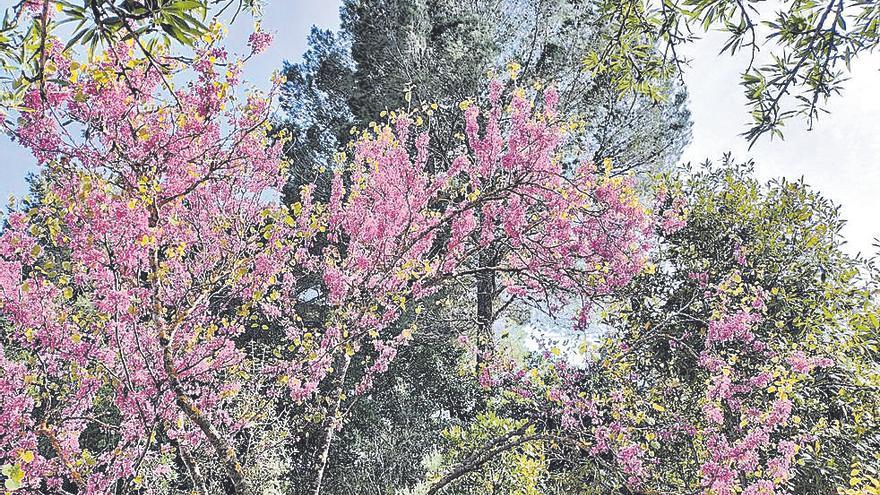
(608, 164)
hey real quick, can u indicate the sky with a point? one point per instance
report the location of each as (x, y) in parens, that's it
(838, 157)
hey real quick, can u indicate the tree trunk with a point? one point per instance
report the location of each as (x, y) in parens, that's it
(224, 449)
(331, 424)
(485, 300)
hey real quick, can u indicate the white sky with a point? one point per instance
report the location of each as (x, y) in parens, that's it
(838, 157)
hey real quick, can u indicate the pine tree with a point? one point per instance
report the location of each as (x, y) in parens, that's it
(392, 54)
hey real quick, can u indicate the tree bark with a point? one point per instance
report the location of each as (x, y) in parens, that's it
(331, 424)
(485, 302)
(224, 449)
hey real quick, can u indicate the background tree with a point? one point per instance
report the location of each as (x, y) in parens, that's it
(435, 54)
(783, 239)
(432, 56)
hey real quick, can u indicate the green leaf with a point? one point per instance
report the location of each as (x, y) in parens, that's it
(183, 5)
(14, 476)
(175, 33)
(76, 37)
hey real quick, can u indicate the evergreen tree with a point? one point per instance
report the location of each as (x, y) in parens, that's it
(392, 54)
(431, 55)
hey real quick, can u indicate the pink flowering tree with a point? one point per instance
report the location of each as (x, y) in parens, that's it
(137, 288)
(750, 333)
(737, 433)
(727, 369)
(398, 232)
(149, 222)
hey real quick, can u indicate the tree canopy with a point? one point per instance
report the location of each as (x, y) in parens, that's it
(435, 55)
(429, 273)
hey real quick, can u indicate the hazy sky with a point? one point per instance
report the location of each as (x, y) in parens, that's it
(838, 157)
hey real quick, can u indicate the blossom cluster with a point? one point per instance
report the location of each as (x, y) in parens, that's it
(135, 286)
(742, 426)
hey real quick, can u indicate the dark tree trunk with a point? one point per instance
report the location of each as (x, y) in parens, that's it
(485, 301)
(331, 425)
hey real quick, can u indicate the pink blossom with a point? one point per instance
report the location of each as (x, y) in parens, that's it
(259, 41)
(714, 414)
(800, 363)
(780, 412)
(734, 327)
